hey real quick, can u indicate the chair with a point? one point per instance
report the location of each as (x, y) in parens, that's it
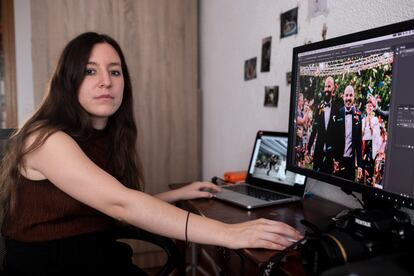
(166, 244)
(5, 133)
(129, 232)
(4, 136)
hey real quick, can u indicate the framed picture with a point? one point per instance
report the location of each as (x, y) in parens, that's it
(271, 96)
(250, 69)
(289, 23)
(266, 51)
(289, 77)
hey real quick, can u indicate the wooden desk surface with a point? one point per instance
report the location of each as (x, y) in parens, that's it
(312, 208)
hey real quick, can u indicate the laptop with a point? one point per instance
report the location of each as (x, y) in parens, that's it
(267, 182)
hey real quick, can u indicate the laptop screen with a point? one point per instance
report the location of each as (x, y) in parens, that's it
(268, 162)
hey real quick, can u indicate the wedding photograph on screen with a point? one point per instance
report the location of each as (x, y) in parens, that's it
(359, 85)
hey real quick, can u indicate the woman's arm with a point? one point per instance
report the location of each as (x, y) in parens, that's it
(62, 161)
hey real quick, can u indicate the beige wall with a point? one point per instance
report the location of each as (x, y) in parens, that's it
(159, 40)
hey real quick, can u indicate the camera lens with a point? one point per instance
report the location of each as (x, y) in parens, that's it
(331, 249)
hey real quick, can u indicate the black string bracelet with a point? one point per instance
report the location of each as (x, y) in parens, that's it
(186, 228)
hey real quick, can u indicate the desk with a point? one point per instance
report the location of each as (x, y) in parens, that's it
(248, 261)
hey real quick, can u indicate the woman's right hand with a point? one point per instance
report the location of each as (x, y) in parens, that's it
(261, 233)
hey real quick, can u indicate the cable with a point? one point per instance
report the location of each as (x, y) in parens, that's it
(360, 202)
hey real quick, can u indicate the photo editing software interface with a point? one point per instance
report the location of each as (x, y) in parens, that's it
(269, 161)
(353, 115)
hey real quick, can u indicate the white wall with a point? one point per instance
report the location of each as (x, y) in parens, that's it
(232, 31)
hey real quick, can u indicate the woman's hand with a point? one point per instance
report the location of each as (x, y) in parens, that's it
(190, 191)
(261, 233)
(198, 190)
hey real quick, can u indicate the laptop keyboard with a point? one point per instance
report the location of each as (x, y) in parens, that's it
(255, 192)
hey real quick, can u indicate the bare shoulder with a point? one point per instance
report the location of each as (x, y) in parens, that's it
(55, 147)
(57, 136)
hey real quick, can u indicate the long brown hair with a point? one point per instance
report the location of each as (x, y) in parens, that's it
(61, 111)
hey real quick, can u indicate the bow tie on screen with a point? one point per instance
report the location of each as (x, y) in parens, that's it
(348, 112)
(327, 104)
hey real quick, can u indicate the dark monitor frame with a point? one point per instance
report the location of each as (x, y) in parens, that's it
(370, 194)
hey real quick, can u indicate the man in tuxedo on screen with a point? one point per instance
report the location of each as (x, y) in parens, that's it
(348, 138)
(322, 130)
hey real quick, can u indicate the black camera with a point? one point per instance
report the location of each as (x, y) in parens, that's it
(359, 235)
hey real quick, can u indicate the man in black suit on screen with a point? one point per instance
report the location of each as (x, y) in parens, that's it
(322, 130)
(348, 138)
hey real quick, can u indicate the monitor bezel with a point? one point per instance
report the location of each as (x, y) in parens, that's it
(370, 192)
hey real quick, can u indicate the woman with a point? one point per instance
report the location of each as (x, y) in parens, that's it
(371, 141)
(70, 174)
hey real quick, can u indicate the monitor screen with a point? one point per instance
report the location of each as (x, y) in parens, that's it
(351, 119)
(268, 160)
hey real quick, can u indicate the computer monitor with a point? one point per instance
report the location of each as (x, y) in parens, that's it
(351, 121)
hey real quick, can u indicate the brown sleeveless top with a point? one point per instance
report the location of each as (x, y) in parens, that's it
(42, 212)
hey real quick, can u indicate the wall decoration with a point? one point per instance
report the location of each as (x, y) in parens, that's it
(289, 23)
(317, 7)
(289, 77)
(250, 69)
(324, 31)
(307, 41)
(266, 51)
(271, 96)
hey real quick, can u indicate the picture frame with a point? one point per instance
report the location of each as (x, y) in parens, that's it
(289, 23)
(271, 96)
(266, 53)
(250, 69)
